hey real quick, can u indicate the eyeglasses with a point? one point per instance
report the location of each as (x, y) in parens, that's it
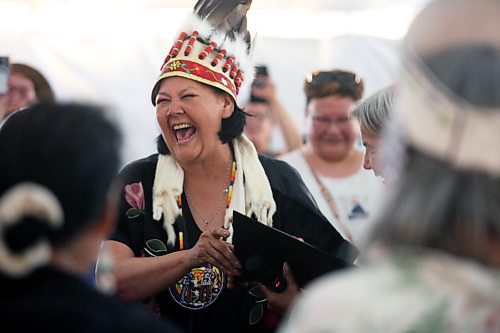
(322, 77)
(322, 122)
(20, 90)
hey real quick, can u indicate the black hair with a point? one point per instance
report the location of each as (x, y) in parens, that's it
(71, 149)
(231, 127)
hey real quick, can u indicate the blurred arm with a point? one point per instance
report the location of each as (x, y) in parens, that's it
(288, 127)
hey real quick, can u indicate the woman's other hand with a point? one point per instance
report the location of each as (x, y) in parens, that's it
(281, 302)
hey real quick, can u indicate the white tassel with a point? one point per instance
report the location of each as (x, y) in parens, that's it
(167, 187)
(254, 199)
(259, 196)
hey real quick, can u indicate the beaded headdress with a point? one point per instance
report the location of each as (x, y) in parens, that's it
(213, 47)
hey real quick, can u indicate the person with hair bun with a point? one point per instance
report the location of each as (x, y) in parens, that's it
(57, 205)
(329, 162)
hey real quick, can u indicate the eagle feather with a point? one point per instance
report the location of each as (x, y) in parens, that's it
(226, 16)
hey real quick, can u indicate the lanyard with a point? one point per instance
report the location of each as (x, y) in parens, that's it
(330, 201)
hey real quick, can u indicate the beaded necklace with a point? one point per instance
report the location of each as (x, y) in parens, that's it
(229, 191)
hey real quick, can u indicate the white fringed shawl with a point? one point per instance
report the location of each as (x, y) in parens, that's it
(252, 193)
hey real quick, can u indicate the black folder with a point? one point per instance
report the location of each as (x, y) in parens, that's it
(262, 250)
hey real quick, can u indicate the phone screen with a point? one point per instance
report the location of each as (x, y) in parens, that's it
(4, 75)
(260, 70)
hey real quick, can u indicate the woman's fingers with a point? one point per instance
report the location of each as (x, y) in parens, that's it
(290, 279)
(227, 249)
(281, 302)
(224, 258)
(220, 233)
(214, 250)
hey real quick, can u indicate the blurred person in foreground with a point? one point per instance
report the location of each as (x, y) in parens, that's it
(173, 245)
(372, 115)
(434, 254)
(266, 114)
(57, 205)
(329, 162)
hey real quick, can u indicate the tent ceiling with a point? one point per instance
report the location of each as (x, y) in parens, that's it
(323, 5)
(318, 18)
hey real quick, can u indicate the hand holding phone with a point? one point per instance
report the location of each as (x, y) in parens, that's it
(260, 74)
(4, 75)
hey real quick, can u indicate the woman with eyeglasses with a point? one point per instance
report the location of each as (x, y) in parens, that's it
(329, 162)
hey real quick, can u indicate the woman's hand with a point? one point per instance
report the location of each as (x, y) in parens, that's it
(281, 302)
(212, 249)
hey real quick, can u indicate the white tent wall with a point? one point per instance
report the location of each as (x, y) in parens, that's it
(85, 56)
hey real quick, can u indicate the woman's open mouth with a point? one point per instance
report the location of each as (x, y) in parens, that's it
(183, 132)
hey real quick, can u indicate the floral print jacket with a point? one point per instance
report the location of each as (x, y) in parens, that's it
(431, 292)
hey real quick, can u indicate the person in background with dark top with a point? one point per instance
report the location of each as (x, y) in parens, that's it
(27, 86)
(432, 261)
(173, 246)
(266, 113)
(373, 114)
(57, 204)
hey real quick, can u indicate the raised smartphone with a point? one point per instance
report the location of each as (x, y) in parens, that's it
(4, 75)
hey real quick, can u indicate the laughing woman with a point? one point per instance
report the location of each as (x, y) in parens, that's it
(173, 246)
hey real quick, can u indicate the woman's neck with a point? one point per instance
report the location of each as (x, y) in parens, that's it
(210, 171)
(208, 168)
(206, 186)
(345, 167)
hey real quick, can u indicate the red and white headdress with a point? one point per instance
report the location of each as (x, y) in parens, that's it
(213, 47)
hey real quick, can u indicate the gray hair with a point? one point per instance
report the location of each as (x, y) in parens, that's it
(432, 204)
(374, 111)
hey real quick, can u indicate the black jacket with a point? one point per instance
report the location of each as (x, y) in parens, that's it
(49, 300)
(296, 214)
